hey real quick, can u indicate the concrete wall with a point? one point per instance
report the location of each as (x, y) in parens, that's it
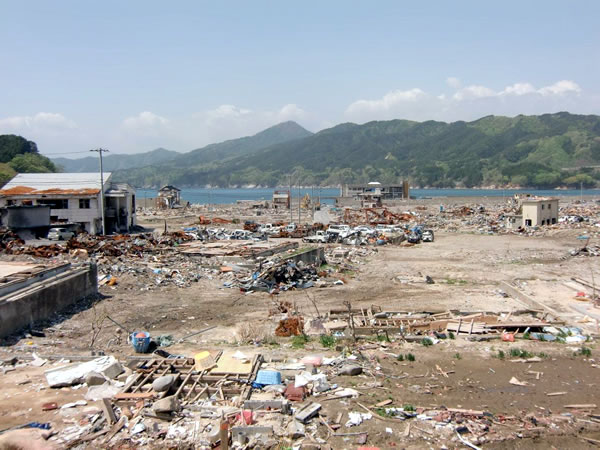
(310, 256)
(41, 300)
(26, 216)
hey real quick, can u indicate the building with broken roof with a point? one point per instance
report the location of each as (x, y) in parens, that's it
(539, 211)
(74, 198)
(533, 212)
(168, 197)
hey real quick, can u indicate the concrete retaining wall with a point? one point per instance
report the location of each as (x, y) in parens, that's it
(41, 300)
(310, 256)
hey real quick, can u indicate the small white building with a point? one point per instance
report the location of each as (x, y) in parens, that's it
(74, 198)
(534, 212)
(539, 211)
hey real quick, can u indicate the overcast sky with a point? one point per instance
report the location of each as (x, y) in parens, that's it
(132, 76)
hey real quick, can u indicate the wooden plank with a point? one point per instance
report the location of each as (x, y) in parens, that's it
(109, 413)
(133, 395)
(183, 383)
(116, 428)
(227, 364)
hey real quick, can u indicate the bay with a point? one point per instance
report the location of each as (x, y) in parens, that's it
(230, 195)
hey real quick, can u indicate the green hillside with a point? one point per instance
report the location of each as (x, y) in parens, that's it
(519, 151)
(18, 155)
(189, 169)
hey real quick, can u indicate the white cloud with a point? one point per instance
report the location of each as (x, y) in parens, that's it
(468, 102)
(387, 102)
(453, 82)
(39, 121)
(560, 88)
(473, 91)
(291, 111)
(518, 89)
(144, 120)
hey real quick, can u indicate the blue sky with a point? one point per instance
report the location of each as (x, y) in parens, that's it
(137, 75)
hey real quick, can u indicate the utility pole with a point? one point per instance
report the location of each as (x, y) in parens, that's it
(312, 201)
(581, 191)
(290, 201)
(299, 201)
(100, 151)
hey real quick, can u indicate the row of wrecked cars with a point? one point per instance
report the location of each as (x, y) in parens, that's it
(363, 234)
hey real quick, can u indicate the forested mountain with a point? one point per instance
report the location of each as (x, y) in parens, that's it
(18, 155)
(519, 151)
(112, 162)
(169, 160)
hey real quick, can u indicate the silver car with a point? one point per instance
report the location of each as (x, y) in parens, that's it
(59, 234)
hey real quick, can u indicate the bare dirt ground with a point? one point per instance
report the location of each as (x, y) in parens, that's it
(467, 270)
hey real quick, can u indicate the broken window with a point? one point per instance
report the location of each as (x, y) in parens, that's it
(528, 222)
(84, 203)
(55, 203)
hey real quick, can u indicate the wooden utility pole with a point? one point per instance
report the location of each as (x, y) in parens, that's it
(100, 151)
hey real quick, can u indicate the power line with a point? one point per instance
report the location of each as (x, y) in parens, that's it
(62, 153)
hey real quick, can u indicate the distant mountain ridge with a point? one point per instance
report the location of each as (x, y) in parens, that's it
(277, 134)
(492, 151)
(531, 151)
(114, 162)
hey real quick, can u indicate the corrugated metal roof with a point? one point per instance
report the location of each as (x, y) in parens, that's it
(55, 183)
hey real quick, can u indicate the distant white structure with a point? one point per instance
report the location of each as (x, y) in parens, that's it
(534, 212)
(74, 198)
(539, 211)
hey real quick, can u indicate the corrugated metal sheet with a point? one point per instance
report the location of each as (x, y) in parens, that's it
(54, 183)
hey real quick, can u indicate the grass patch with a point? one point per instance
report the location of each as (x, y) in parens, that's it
(383, 413)
(383, 338)
(457, 356)
(407, 357)
(300, 341)
(451, 335)
(499, 355)
(519, 353)
(584, 351)
(408, 407)
(458, 281)
(327, 341)
(426, 342)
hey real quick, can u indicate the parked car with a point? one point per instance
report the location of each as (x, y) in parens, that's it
(364, 230)
(427, 236)
(268, 228)
(319, 236)
(338, 231)
(60, 234)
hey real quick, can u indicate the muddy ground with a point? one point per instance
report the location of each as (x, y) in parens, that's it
(467, 269)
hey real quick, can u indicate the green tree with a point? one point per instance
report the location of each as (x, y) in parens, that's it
(32, 163)
(12, 145)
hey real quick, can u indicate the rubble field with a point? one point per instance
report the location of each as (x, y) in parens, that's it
(484, 338)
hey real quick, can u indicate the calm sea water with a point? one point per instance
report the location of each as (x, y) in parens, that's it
(225, 196)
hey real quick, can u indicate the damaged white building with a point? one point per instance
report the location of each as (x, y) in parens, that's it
(74, 198)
